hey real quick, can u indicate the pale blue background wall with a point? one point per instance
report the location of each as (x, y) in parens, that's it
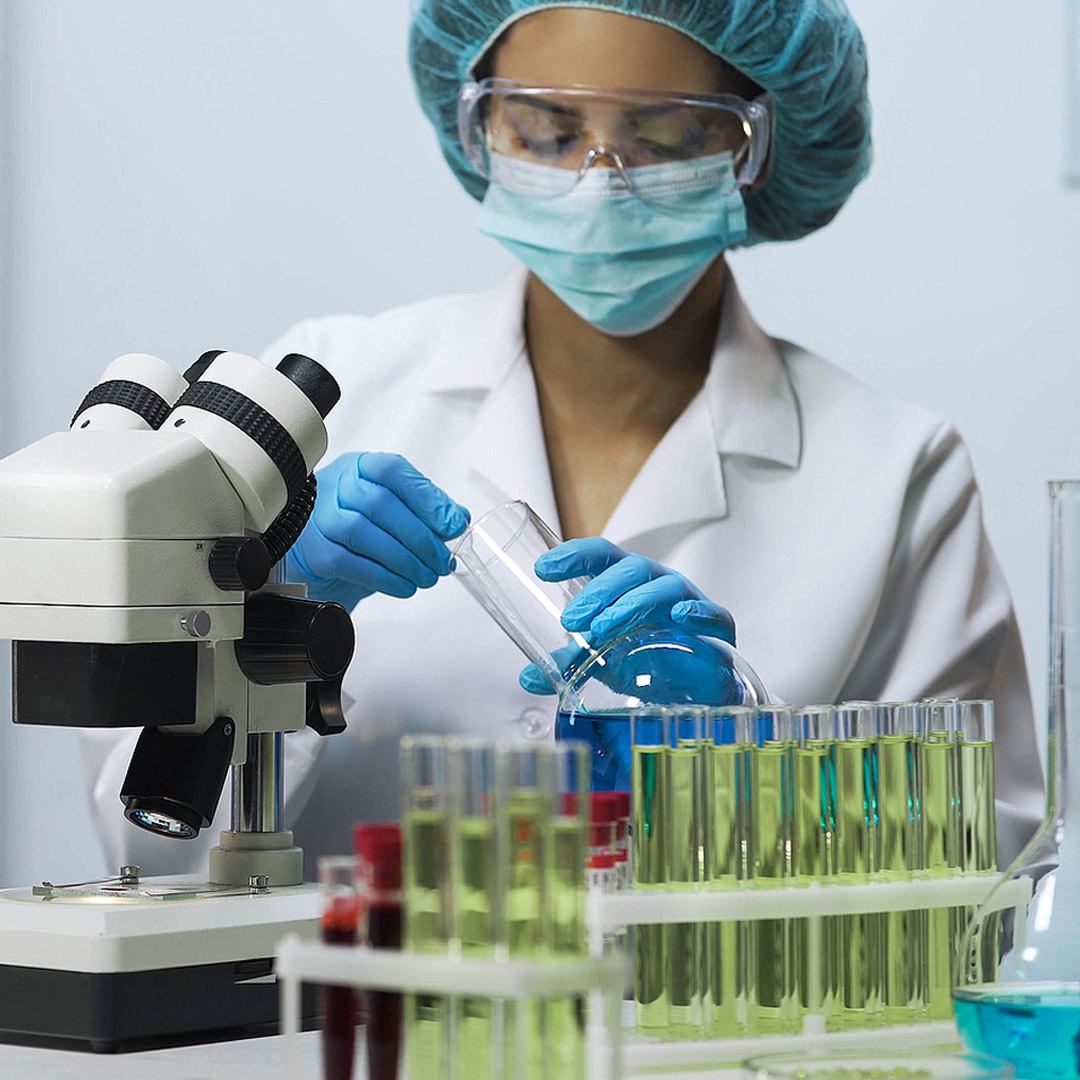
(180, 177)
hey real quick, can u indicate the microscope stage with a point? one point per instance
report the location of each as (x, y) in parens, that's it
(125, 973)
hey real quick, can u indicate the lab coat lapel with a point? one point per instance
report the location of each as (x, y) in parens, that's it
(505, 445)
(485, 368)
(747, 407)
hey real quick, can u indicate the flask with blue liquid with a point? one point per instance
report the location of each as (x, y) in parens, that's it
(1030, 1014)
(597, 683)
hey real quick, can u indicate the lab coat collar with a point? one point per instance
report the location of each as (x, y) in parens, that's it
(746, 407)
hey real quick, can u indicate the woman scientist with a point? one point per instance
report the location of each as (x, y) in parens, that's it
(616, 381)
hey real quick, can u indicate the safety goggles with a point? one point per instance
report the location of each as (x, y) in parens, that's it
(541, 140)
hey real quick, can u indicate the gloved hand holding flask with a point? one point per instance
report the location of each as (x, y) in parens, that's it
(378, 526)
(605, 630)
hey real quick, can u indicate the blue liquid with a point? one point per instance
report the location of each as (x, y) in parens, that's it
(1036, 1028)
(608, 736)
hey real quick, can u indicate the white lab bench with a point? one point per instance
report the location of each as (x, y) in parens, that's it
(242, 1059)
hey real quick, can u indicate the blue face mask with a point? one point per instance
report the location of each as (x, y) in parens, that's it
(623, 260)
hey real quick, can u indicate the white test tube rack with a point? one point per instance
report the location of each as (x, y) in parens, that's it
(611, 1049)
(603, 978)
(640, 907)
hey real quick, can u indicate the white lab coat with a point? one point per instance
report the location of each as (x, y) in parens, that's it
(842, 528)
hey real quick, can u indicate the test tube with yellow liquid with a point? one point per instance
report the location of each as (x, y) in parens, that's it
(904, 937)
(474, 876)
(649, 776)
(816, 939)
(977, 825)
(425, 879)
(854, 753)
(727, 759)
(565, 1027)
(938, 763)
(526, 803)
(771, 993)
(683, 945)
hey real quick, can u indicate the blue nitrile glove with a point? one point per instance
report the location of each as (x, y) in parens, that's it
(378, 526)
(628, 591)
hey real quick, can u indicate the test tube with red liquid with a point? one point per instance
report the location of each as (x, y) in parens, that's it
(378, 851)
(339, 925)
(622, 840)
(600, 857)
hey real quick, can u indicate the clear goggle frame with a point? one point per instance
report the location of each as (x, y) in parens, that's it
(541, 140)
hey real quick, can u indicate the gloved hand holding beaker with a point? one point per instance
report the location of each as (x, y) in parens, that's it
(378, 526)
(626, 591)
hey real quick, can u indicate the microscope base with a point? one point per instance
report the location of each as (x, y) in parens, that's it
(91, 973)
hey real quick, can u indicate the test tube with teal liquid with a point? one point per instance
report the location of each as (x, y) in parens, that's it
(771, 994)
(816, 939)
(683, 947)
(648, 735)
(425, 818)
(727, 760)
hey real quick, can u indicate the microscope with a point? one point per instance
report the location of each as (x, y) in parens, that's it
(140, 586)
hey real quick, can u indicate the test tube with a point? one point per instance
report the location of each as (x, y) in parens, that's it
(602, 830)
(725, 817)
(683, 947)
(378, 854)
(903, 985)
(978, 825)
(340, 926)
(426, 876)
(855, 771)
(772, 991)
(565, 1029)
(648, 735)
(473, 895)
(622, 841)
(936, 720)
(816, 939)
(525, 805)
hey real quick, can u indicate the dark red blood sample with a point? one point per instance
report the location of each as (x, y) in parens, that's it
(378, 847)
(383, 1009)
(340, 921)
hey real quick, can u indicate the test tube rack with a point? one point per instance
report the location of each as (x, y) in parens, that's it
(640, 907)
(613, 1049)
(363, 968)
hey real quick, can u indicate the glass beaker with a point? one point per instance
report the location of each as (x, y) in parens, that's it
(1031, 1016)
(598, 683)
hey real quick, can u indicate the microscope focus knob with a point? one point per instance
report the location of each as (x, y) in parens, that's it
(239, 563)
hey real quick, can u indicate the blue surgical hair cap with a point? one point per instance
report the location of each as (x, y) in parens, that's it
(808, 54)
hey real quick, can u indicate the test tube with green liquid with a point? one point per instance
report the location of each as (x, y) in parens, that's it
(648, 736)
(978, 829)
(473, 895)
(855, 776)
(683, 947)
(938, 763)
(771, 993)
(816, 939)
(426, 877)
(525, 804)
(566, 1015)
(903, 985)
(727, 756)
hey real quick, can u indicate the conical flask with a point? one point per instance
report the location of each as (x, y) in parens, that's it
(1031, 1014)
(597, 683)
